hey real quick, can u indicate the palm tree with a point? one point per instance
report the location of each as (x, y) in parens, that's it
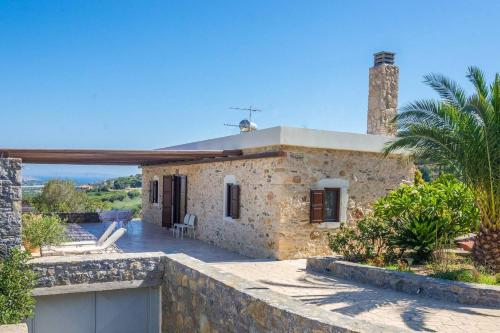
(461, 133)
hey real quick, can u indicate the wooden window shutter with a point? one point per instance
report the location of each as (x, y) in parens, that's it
(235, 201)
(182, 197)
(151, 191)
(317, 206)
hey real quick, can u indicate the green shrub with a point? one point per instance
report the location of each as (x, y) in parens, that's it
(364, 241)
(467, 275)
(17, 281)
(424, 215)
(413, 219)
(133, 194)
(39, 230)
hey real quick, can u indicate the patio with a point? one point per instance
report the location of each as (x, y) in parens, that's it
(289, 277)
(148, 237)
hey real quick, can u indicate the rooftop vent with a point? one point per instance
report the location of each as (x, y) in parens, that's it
(384, 57)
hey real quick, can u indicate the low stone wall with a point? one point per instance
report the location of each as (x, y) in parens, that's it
(199, 298)
(88, 217)
(450, 291)
(10, 204)
(99, 268)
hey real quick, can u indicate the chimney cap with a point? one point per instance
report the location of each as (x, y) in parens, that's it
(383, 57)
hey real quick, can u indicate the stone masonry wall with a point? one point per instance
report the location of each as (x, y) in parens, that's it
(199, 298)
(275, 197)
(382, 99)
(99, 268)
(10, 204)
(254, 233)
(369, 176)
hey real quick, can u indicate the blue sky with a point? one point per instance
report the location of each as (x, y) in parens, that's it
(147, 74)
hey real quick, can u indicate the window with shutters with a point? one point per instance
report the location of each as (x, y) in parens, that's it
(153, 191)
(231, 202)
(325, 205)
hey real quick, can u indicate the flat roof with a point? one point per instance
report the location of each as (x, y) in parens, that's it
(115, 157)
(293, 136)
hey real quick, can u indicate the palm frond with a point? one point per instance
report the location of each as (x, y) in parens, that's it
(476, 77)
(447, 89)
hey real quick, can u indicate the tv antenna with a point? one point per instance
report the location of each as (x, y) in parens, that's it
(246, 125)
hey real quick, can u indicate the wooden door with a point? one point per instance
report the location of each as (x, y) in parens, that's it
(166, 213)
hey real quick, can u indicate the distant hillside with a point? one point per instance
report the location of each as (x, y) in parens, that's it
(120, 183)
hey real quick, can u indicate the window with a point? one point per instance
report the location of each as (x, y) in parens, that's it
(325, 205)
(332, 204)
(232, 202)
(153, 191)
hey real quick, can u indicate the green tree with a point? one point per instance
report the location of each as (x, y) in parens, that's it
(39, 230)
(17, 281)
(60, 196)
(461, 133)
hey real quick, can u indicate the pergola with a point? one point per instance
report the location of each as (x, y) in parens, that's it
(127, 157)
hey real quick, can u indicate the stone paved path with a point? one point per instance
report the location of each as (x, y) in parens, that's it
(365, 302)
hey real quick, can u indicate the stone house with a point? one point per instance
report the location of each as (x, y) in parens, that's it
(289, 187)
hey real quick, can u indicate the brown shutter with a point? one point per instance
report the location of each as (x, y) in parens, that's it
(182, 197)
(151, 191)
(317, 203)
(235, 201)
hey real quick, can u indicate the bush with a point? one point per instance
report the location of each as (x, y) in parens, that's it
(60, 196)
(424, 215)
(367, 240)
(133, 194)
(39, 230)
(17, 281)
(413, 218)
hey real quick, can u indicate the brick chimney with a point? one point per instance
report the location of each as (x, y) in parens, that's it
(382, 94)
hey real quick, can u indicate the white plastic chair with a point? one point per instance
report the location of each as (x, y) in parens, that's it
(178, 229)
(191, 224)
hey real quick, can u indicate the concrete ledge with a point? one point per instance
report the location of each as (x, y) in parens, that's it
(414, 284)
(209, 298)
(15, 328)
(90, 287)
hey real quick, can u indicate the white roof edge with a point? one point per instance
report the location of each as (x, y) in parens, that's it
(292, 136)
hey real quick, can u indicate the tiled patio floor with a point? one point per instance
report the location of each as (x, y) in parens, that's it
(147, 237)
(290, 277)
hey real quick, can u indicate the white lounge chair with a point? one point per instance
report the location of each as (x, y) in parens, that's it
(82, 249)
(121, 216)
(101, 239)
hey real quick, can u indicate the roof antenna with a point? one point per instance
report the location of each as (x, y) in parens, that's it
(246, 125)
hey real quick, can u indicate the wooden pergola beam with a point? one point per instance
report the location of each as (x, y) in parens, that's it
(112, 157)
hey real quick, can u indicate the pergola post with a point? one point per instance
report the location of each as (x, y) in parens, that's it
(10, 204)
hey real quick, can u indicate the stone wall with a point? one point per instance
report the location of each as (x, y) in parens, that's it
(10, 204)
(274, 219)
(100, 268)
(414, 284)
(382, 99)
(254, 233)
(199, 298)
(367, 177)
